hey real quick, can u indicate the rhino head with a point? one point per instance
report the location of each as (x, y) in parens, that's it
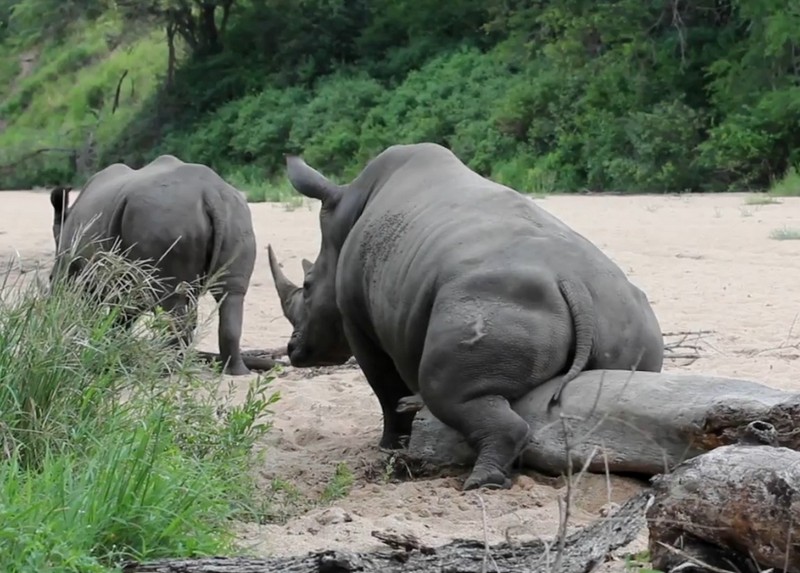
(318, 337)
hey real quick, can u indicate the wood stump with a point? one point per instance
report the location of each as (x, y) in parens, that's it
(736, 508)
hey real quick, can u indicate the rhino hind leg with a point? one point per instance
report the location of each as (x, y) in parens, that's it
(229, 332)
(386, 384)
(470, 394)
(492, 428)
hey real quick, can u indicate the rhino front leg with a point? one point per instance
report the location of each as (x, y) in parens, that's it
(231, 315)
(184, 319)
(387, 385)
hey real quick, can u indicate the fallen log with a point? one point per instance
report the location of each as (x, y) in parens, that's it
(583, 550)
(736, 508)
(622, 422)
(257, 360)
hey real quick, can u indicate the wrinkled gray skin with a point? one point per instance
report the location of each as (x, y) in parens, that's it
(450, 286)
(147, 210)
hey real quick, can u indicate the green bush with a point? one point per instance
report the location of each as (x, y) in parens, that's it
(571, 94)
(113, 445)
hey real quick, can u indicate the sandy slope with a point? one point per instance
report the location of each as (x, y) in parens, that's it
(707, 263)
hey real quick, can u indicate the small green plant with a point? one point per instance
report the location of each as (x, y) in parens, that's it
(788, 185)
(760, 199)
(785, 234)
(340, 484)
(639, 563)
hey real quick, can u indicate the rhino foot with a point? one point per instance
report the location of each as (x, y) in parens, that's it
(394, 441)
(488, 478)
(237, 369)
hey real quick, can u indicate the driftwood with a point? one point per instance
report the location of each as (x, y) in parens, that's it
(256, 360)
(619, 421)
(582, 551)
(736, 508)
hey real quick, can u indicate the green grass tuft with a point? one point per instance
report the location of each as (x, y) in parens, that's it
(760, 199)
(785, 234)
(113, 446)
(340, 484)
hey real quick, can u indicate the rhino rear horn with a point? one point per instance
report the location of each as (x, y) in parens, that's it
(306, 265)
(310, 182)
(286, 288)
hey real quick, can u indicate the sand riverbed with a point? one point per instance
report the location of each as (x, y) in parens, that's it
(706, 263)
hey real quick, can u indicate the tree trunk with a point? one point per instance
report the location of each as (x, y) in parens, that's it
(582, 551)
(209, 35)
(619, 421)
(734, 508)
(171, 29)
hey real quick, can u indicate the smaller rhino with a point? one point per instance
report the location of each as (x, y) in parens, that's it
(184, 217)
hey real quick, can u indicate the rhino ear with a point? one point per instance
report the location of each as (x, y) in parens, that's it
(310, 182)
(306, 265)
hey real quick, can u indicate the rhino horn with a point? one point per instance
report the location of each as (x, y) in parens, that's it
(310, 182)
(306, 265)
(286, 288)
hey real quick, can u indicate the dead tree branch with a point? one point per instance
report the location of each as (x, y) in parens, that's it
(583, 550)
(30, 155)
(116, 94)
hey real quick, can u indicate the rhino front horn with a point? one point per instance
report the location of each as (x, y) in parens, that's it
(286, 288)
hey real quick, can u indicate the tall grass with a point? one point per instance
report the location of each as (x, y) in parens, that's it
(113, 445)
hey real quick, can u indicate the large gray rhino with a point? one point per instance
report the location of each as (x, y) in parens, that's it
(182, 215)
(446, 284)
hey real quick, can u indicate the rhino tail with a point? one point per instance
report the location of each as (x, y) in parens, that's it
(213, 208)
(581, 309)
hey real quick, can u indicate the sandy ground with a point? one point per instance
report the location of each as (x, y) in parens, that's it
(706, 262)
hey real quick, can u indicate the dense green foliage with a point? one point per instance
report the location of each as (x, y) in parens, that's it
(544, 95)
(105, 459)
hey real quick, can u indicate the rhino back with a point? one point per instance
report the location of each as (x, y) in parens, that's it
(173, 207)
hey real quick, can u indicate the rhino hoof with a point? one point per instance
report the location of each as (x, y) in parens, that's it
(487, 479)
(237, 370)
(393, 442)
